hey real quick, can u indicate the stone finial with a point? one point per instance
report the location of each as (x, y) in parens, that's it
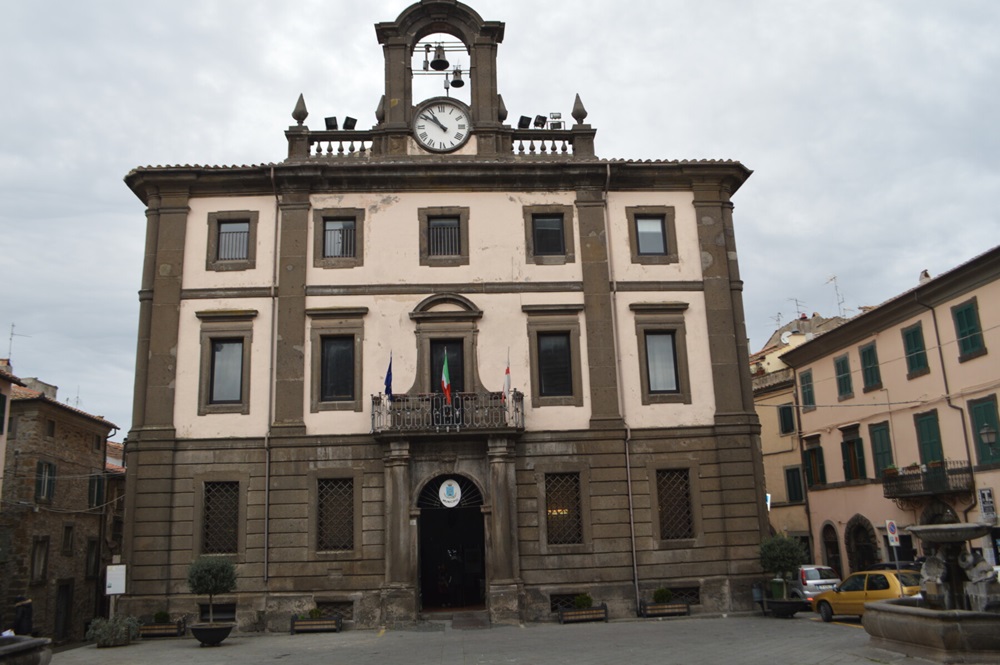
(579, 113)
(501, 109)
(380, 110)
(300, 113)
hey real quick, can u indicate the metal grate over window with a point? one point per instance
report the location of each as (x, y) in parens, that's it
(562, 506)
(444, 237)
(674, 493)
(335, 514)
(222, 518)
(562, 601)
(337, 608)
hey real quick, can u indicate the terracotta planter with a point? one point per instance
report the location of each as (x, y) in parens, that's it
(211, 634)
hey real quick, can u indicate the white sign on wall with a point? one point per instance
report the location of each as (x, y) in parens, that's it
(988, 507)
(116, 580)
(450, 494)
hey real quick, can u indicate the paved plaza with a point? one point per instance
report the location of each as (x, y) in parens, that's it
(744, 640)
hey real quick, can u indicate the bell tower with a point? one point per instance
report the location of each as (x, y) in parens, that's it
(399, 41)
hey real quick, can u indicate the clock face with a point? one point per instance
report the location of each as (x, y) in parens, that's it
(441, 125)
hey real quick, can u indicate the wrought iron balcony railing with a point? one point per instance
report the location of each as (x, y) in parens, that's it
(431, 414)
(927, 480)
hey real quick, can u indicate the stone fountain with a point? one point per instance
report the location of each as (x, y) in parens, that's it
(956, 619)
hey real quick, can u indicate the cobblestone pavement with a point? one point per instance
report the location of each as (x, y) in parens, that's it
(744, 640)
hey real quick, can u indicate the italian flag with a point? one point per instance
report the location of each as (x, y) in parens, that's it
(446, 380)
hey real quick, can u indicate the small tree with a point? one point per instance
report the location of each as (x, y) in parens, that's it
(210, 575)
(781, 555)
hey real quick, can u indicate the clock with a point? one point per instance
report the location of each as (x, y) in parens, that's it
(441, 125)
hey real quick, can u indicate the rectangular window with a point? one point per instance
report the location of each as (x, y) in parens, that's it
(968, 330)
(337, 369)
(67, 540)
(564, 520)
(661, 362)
(983, 413)
(651, 235)
(335, 514)
(98, 441)
(916, 352)
(786, 419)
(548, 234)
(928, 437)
(555, 366)
(793, 485)
(232, 240)
(870, 374)
(224, 372)
(338, 238)
(220, 527)
(853, 452)
(812, 461)
(226, 383)
(93, 564)
(95, 491)
(50, 428)
(673, 493)
(444, 237)
(45, 481)
(39, 559)
(842, 368)
(881, 447)
(3, 413)
(455, 350)
(806, 388)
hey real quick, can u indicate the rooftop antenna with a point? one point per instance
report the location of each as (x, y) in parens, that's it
(840, 298)
(10, 345)
(798, 306)
(777, 320)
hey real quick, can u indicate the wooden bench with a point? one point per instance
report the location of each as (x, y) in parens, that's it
(663, 609)
(321, 625)
(174, 629)
(596, 613)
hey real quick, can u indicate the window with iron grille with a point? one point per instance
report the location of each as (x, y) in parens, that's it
(336, 608)
(916, 352)
(220, 533)
(562, 601)
(563, 518)
(335, 514)
(444, 237)
(338, 238)
(233, 240)
(673, 489)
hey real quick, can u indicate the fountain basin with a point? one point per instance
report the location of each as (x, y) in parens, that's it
(946, 636)
(949, 533)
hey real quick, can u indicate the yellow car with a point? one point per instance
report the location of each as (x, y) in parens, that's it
(850, 596)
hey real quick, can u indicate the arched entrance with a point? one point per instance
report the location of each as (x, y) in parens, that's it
(831, 549)
(452, 543)
(862, 546)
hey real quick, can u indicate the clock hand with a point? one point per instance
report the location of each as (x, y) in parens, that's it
(434, 119)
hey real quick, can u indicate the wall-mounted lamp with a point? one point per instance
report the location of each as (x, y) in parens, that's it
(988, 435)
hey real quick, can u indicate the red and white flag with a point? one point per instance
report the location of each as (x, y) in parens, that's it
(446, 380)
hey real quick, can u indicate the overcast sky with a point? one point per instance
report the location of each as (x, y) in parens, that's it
(871, 127)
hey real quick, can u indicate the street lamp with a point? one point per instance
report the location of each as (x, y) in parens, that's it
(988, 435)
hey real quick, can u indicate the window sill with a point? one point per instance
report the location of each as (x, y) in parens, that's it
(917, 373)
(972, 356)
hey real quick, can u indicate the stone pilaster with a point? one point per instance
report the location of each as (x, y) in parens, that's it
(399, 597)
(502, 544)
(289, 371)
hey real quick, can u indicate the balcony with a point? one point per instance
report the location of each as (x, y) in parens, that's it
(427, 415)
(928, 480)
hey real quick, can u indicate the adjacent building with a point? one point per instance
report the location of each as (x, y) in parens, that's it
(52, 532)
(445, 361)
(897, 409)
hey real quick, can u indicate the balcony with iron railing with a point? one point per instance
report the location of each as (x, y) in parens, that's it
(928, 480)
(432, 415)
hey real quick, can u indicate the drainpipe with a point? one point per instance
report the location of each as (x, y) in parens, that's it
(947, 397)
(271, 378)
(621, 399)
(801, 443)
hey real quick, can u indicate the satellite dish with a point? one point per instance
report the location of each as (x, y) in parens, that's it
(785, 336)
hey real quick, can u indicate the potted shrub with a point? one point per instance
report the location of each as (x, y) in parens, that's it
(781, 556)
(890, 471)
(663, 605)
(162, 626)
(210, 576)
(117, 631)
(584, 610)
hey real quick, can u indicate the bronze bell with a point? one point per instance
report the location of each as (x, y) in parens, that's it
(439, 63)
(456, 79)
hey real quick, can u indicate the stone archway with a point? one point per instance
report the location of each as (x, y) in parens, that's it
(831, 549)
(861, 543)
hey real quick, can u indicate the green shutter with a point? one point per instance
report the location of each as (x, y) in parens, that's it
(970, 339)
(822, 467)
(916, 355)
(929, 437)
(859, 451)
(881, 448)
(985, 413)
